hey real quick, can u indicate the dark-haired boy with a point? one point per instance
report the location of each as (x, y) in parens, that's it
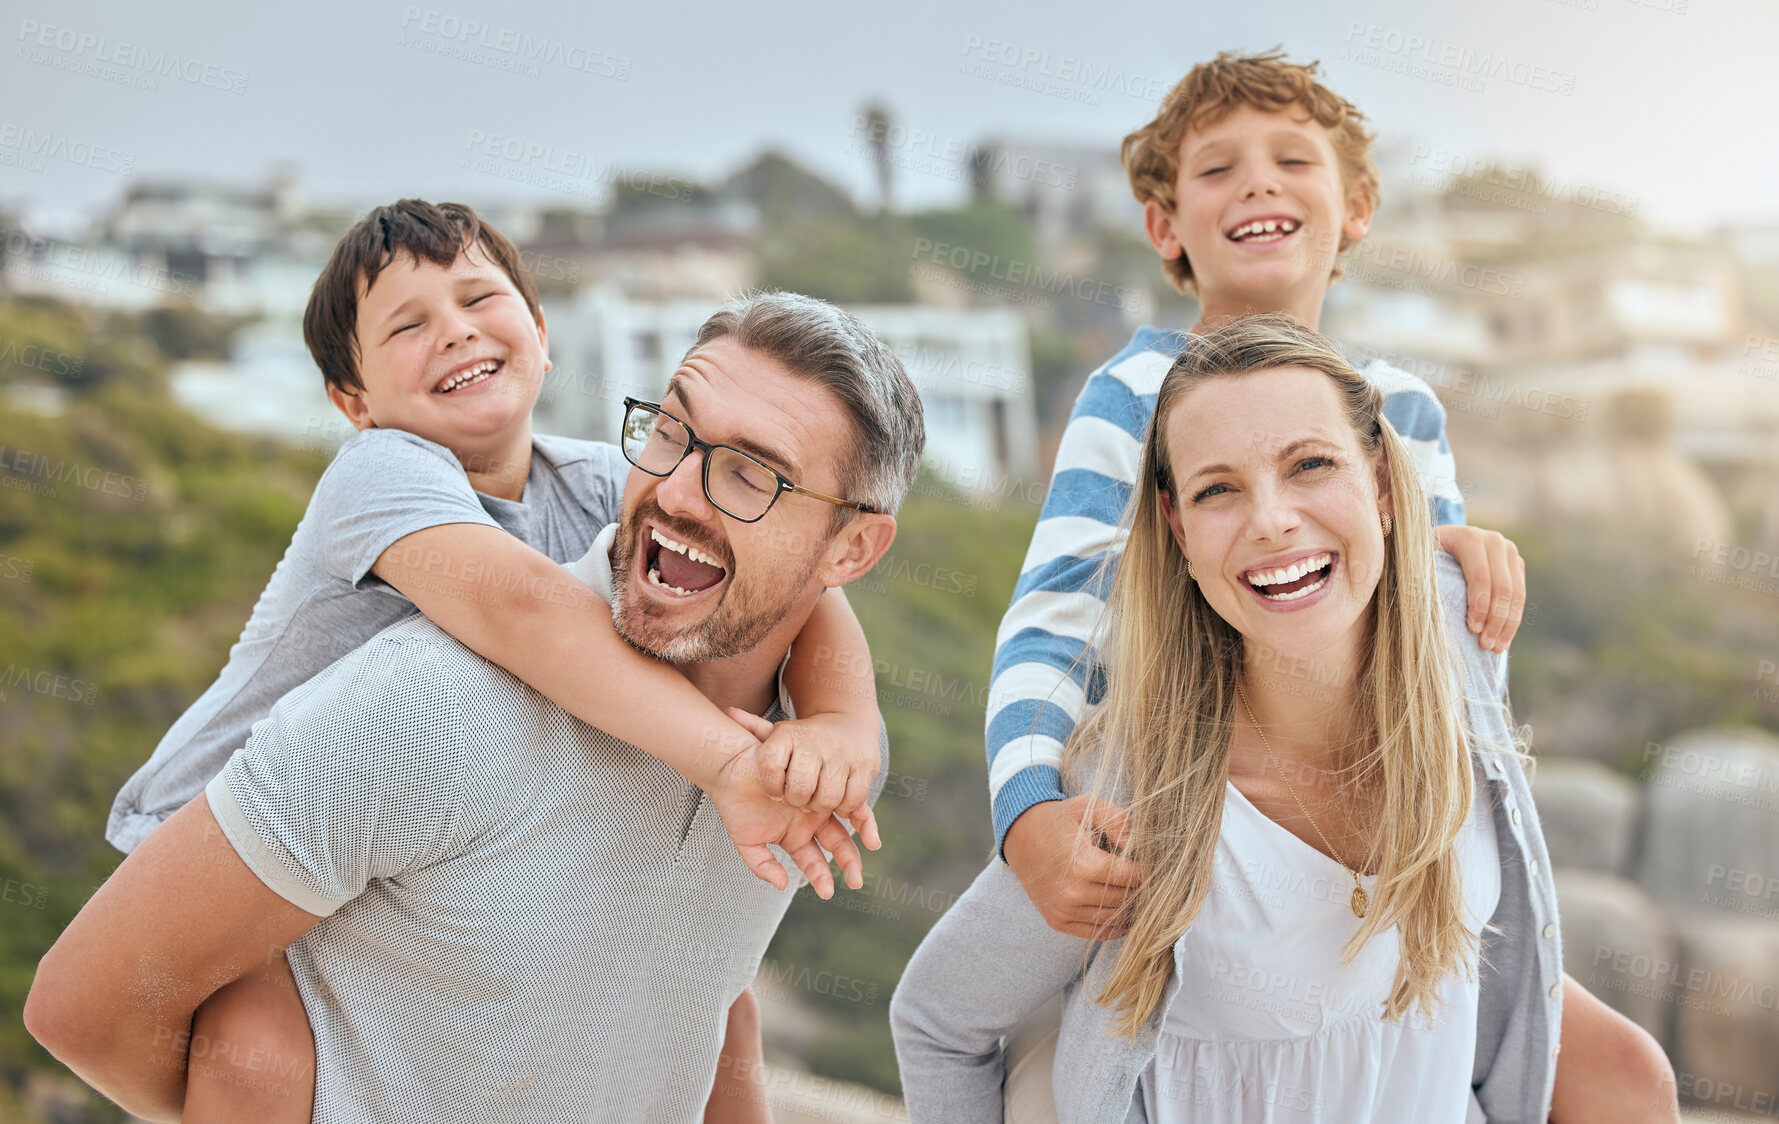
(429, 334)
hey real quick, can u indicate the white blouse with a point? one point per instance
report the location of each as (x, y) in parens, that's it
(1268, 1025)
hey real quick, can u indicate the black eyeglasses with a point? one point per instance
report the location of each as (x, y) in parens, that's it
(735, 483)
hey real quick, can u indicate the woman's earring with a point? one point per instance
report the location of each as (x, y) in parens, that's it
(1388, 523)
(1191, 571)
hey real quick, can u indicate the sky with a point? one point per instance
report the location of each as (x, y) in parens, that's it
(1663, 103)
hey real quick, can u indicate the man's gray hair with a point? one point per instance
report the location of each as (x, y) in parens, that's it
(830, 347)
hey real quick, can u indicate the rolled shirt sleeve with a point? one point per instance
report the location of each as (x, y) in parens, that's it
(355, 776)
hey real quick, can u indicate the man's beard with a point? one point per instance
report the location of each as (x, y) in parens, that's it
(743, 616)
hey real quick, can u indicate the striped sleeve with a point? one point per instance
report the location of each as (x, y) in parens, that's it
(1415, 411)
(1046, 672)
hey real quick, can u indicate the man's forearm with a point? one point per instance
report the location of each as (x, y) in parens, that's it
(130, 1047)
(113, 999)
(137, 1061)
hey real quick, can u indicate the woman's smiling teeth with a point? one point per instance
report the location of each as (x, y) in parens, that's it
(469, 375)
(1288, 583)
(1263, 230)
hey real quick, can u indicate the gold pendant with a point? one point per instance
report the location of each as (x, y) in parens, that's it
(1360, 901)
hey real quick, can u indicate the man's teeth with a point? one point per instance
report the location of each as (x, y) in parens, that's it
(1289, 573)
(689, 551)
(470, 374)
(1264, 230)
(655, 576)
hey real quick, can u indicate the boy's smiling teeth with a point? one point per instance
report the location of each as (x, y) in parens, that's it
(469, 375)
(1263, 230)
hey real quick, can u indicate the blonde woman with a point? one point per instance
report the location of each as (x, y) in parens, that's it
(1347, 912)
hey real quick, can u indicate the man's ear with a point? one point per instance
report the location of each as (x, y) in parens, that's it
(857, 548)
(1158, 224)
(352, 405)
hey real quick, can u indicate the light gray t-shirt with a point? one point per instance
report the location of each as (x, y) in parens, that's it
(322, 601)
(525, 918)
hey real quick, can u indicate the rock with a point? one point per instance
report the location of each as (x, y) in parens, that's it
(1617, 944)
(1588, 812)
(1726, 1013)
(1709, 839)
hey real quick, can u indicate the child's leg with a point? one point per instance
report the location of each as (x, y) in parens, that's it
(1028, 1095)
(739, 1095)
(252, 1052)
(1609, 1068)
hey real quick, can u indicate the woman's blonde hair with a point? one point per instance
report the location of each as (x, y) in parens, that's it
(1161, 736)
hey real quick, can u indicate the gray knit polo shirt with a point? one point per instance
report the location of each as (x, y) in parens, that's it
(525, 918)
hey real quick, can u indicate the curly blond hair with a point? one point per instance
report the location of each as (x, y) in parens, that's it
(1211, 90)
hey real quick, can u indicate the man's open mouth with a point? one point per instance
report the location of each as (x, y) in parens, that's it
(1268, 229)
(469, 375)
(678, 567)
(1288, 583)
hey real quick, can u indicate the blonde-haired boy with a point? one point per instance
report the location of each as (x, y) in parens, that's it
(1254, 177)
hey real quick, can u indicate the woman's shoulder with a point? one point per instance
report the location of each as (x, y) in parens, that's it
(1482, 674)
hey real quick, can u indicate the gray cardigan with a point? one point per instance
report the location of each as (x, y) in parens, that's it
(992, 960)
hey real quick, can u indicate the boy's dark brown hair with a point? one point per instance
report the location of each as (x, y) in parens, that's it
(1211, 90)
(430, 232)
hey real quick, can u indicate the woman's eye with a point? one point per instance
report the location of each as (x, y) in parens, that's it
(1210, 493)
(1314, 462)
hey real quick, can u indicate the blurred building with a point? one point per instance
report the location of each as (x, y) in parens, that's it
(1588, 367)
(1065, 192)
(694, 249)
(243, 248)
(199, 226)
(1756, 243)
(971, 366)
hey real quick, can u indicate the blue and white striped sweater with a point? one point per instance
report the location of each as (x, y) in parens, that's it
(1041, 686)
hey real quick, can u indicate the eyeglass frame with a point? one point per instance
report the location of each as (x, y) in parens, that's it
(693, 442)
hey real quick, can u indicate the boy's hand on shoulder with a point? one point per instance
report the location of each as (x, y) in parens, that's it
(823, 763)
(1495, 574)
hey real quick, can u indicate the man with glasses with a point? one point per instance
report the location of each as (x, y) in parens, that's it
(499, 912)
(679, 574)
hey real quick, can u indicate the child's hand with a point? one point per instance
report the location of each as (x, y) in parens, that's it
(823, 763)
(1496, 576)
(757, 820)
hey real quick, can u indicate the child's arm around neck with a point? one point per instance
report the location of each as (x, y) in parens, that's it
(546, 627)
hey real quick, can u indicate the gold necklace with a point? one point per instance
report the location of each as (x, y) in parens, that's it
(1360, 900)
